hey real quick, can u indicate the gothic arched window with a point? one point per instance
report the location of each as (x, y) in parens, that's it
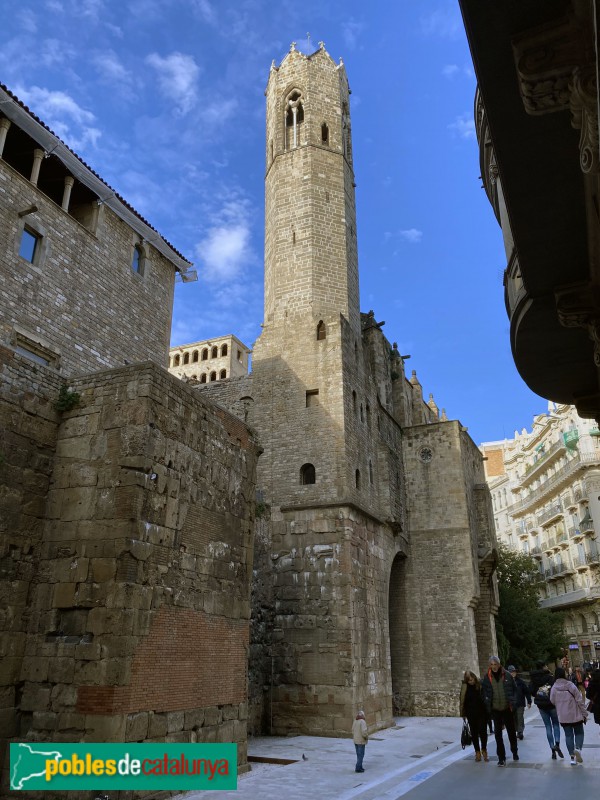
(321, 331)
(294, 117)
(324, 133)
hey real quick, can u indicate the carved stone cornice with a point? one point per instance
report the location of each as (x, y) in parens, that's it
(578, 306)
(556, 71)
(584, 115)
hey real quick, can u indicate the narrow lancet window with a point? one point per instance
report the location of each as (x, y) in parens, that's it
(321, 331)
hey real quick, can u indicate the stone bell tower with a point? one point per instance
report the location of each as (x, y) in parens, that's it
(323, 471)
(312, 319)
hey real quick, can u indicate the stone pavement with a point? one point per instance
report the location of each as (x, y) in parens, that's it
(420, 755)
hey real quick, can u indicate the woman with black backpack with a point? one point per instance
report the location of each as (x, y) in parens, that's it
(540, 685)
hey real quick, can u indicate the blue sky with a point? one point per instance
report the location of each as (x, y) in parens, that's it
(165, 100)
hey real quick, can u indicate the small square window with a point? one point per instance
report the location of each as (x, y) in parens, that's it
(29, 245)
(312, 398)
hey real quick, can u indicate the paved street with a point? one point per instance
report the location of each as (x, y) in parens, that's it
(421, 756)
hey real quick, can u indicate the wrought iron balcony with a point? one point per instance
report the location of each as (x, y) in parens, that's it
(551, 513)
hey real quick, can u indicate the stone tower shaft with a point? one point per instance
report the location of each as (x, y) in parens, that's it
(311, 264)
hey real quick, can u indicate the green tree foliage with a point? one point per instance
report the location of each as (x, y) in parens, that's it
(526, 633)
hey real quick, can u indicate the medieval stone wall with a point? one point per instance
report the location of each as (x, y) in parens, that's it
(442, 571)
(81, 298)
(141, 569)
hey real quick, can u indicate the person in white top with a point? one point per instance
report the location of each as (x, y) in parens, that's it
(361, 737)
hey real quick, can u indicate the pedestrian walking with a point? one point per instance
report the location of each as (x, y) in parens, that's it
(361, 737)
(499, 696)
(472, 708)
(539, 686)
(571, 713)
(522, 696)
(593, 694)
(578, 679)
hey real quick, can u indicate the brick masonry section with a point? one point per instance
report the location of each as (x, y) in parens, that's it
(204, 657)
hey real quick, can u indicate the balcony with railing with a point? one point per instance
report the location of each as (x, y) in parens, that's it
(577, 462)
(543, 461)
(568, 501)
(536, 552)
(580, 562)
(550, 514)
(587, 525)
(593, 557)
(563, 540)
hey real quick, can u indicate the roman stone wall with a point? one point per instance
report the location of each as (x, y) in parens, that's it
(143, 570)
(82, 300)
(28, 430)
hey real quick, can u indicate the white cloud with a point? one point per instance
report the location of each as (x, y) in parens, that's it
(444, 23)
(205, 11)
(177, 78)
(450, 70)
(463, 126)
(225, 248)
(351, 30)
(53, 52)
(110, 67)
(58, 110)
(412, 235)
(27, 20)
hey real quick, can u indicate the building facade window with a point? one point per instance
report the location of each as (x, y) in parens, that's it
(205, 354)
(312, 398)
(203, 377)
(214, 352)
(30, 245)
(195, 356)
(138, 260)
(186, 358)
(307, 474)
(176, 360)
(213, 376)
(324, 133)
(321, 331)
(223, 374)
(223, 350)
(357, 478)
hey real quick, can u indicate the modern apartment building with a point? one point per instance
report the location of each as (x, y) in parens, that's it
(545, 487)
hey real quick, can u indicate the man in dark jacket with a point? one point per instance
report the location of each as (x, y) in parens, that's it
(522, 694)
(499, 694)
